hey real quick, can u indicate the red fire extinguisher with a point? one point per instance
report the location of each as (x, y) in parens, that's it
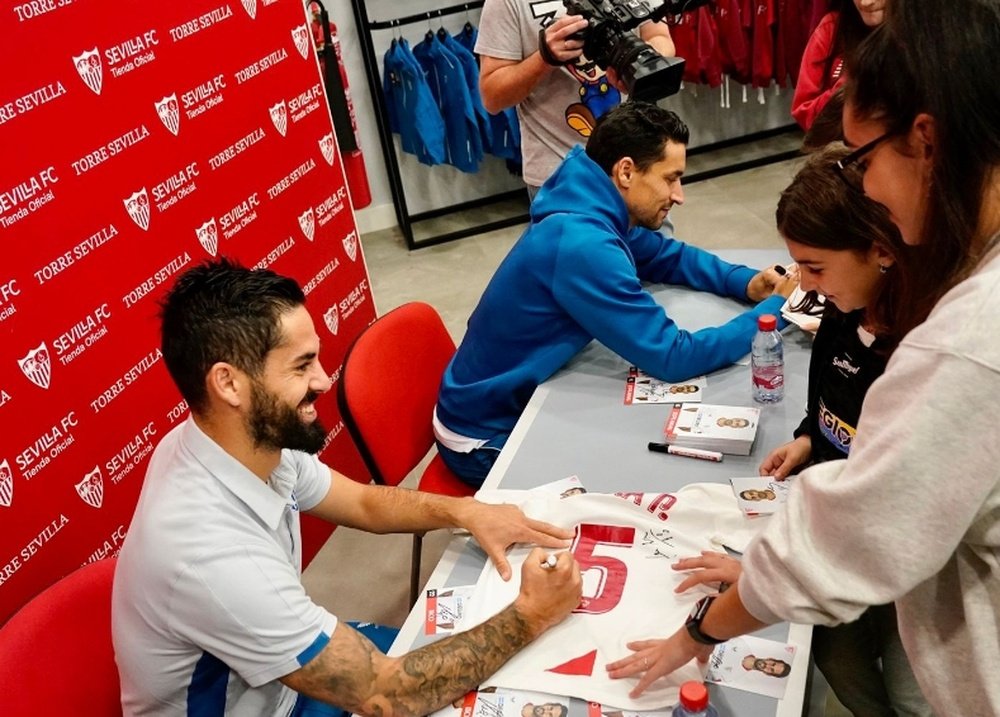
(344, 118)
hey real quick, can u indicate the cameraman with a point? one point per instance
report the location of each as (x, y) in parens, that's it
(557, 104)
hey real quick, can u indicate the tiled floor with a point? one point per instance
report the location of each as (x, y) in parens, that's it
(363, 577)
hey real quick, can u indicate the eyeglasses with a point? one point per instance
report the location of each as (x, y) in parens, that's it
(851, 170)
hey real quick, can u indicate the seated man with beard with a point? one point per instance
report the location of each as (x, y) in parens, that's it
(209, 613)
(576, 274)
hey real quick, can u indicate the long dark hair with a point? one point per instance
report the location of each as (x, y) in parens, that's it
(818, 209)
(851, 31)
(938, 58)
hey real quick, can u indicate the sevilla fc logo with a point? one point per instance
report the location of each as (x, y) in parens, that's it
(307, 222)
(169, 113)
(351, 245)
(138, 208)
(37, 366)
(6, 484)
(91, 488)
(328, 147)
(251, 7)
(208, 236)
(91, 72)
(332, 319)
(301, 36)
(279, 115)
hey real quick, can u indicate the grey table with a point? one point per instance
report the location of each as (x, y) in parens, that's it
(577, 423)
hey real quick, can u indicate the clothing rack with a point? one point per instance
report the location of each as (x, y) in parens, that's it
(407, 221)
(404, 218)
(429, 15)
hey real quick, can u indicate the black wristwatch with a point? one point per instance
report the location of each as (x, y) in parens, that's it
(693, 623)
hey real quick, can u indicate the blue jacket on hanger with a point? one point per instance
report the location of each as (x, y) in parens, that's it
(392, 86)
(420, 125)
(467, 37)
(505, 132)
(471, 70)
(446, 79)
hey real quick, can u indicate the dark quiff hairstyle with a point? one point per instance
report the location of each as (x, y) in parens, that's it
(639, 130)
(221, 311)
(819, 210)
(938, 58)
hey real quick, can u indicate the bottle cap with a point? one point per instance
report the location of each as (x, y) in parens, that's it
(694, 696)
(767, 322)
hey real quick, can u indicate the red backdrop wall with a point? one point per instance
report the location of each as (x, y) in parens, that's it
(138, 139)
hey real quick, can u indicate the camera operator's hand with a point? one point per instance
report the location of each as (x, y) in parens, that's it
(562, 48)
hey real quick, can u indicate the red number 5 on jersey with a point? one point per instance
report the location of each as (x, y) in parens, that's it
(611, 572)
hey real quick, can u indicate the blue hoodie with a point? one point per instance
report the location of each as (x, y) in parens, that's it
(575, 275)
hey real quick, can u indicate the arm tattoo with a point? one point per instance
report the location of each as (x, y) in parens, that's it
(355, 675)
(426, 679)
(435, 675)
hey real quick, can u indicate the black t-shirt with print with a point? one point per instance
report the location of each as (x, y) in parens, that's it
(841, 370)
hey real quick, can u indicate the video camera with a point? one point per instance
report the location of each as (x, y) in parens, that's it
(609, 41)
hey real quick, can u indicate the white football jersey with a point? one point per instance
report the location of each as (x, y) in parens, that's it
(625, 544)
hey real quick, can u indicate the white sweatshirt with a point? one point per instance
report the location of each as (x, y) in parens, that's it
(913, 516)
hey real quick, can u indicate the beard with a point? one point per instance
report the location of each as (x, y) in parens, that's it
(274, 425)
(652, 221)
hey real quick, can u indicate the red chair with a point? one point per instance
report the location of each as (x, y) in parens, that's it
(387, 392)
(56, 651)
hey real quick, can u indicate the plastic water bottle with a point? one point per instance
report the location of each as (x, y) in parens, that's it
(694, 701)
(767, 361)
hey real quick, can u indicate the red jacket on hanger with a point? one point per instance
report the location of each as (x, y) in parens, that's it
(815, 84)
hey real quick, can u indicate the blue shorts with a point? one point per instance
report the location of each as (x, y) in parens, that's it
(472, 467)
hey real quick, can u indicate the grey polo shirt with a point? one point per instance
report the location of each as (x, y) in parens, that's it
(208, 606)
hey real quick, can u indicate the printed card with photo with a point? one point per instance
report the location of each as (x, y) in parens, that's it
(596, 709)
(641, 388)
(445, 609)
(752, 664)
(729, 429)
(760, 495)
(503, 702)
(564, 487)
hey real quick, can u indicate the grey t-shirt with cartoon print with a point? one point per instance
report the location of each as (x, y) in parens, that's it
(561, 110)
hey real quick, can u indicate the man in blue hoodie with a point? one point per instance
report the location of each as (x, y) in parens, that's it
(575, 275)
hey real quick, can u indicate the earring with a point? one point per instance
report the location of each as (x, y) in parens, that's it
(882, 268)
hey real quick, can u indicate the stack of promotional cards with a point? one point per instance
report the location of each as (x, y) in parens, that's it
(643, 389)
(752, 664)
(760, 495)
(727, 429)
